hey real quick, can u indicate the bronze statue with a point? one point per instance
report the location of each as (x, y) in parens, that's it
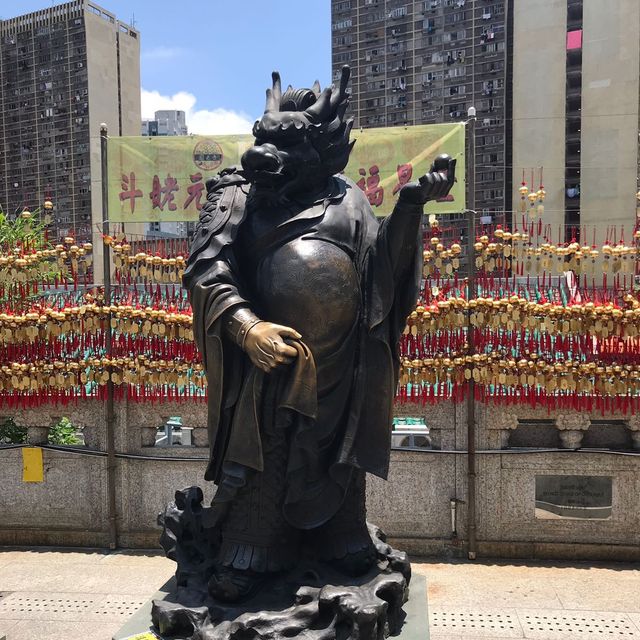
(299, 297)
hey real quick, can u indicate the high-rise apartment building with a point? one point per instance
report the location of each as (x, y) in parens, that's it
(555, 84)
(166, 123)
(428, 61)
(64, 71)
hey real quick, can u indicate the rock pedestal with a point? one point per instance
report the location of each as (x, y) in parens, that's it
(313, 601)
(415, 625)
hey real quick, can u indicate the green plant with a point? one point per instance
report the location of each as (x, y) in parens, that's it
(23, 231)
(64, 433)
(26, 233)
(11, 433)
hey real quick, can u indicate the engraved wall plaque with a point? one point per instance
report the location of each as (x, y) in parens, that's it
(573, 497)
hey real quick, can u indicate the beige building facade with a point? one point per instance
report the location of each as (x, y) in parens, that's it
(113, 62)
(576, 95)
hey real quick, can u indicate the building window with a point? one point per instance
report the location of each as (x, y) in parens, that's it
(343, 40)
(458, 16)
(429, 25)
(429, 41)
(342, 57)
(398, 12)
(456, 72)
(574, 39)
(493, 47)
(454, 35)
(342, 24)
(433, 93)
(430, 76)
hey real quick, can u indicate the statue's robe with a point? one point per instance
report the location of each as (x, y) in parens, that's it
(346, 282)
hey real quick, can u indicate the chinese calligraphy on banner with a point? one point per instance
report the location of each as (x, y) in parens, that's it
(155, 179)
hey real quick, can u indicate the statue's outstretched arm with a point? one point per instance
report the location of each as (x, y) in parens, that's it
(400, 231)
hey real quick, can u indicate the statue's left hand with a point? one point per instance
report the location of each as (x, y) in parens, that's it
(433, 185)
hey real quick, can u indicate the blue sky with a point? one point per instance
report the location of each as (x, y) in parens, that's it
(214, 58)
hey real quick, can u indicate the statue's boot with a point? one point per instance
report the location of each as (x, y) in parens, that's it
(234, 585)
(344, 541)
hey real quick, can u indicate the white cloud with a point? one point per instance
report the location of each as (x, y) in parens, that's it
(163, 53)
(199, 121)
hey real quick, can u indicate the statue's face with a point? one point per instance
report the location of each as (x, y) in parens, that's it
(283, 161)
(301, 140)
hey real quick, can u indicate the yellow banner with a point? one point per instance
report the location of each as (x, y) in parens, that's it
(32, 464)
(162, 179)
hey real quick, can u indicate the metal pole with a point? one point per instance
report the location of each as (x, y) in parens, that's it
(471, 293)
(109, 409)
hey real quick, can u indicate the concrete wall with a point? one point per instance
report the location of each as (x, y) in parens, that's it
(113, 62)
(609, 112)
(609, 140)
(539, 99)
(71, 506)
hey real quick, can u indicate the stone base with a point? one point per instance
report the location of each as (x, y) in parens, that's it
(314, 600)
(414, 627)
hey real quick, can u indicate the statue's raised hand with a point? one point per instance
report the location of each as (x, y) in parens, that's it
(433, 185)
(266, 346)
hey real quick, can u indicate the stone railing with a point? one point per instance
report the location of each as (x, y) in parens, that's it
(71, 506)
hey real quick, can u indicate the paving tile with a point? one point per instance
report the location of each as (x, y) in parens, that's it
(142, 558)
(487, 589)
(6, 626)
(126, 579)
(615, 592)
(59, 576)
(438, 636)
(497, 623)
(90, 594)
(44, 555)
(47, 630)
(31, 605)
(542, 624)
(635, 619)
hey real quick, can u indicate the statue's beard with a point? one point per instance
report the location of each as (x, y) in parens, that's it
(280, 189)
(269, 197)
